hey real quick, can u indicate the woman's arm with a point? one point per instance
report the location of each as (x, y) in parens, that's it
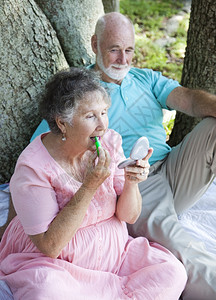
(129, 203)
(69, 219)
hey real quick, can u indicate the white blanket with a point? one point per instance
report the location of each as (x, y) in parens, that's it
(4, 203)
(200, 220)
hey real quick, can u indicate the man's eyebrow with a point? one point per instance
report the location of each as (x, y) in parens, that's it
(114, 46)
(131, 48)
(117, 46)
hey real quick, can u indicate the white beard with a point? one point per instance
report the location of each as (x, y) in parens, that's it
(110, 71)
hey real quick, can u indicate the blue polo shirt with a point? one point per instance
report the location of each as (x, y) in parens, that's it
(136, 110)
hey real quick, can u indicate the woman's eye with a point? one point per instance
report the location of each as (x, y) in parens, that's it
(90, 116)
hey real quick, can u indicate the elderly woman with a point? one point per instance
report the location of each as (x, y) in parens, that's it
(69, 239)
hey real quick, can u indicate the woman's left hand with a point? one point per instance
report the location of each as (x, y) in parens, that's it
(140, 170)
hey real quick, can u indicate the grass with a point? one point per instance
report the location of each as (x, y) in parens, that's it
(149, 18)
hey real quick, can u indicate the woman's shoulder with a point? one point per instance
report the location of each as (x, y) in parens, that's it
(33, 165)
(34, 154)
(112, 138)
(111, 132)
(112, 141)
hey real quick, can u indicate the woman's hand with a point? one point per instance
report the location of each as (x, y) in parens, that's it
(138, 172)
(68, 220)
(97, 172)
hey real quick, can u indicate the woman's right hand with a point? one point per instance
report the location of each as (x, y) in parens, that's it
(97, 173)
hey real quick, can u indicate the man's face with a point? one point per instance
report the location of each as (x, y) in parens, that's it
(114, 54)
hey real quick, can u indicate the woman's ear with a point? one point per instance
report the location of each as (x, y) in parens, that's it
(61, 125)
(94, 43)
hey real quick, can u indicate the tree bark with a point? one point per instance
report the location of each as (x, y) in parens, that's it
(111, 5)
(199, 70)
(29, 54)
(74, 22)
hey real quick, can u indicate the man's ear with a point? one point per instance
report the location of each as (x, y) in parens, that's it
(94, 43)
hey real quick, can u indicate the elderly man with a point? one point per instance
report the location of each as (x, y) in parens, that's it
(178, 176)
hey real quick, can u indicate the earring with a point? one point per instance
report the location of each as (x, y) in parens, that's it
(63, 137)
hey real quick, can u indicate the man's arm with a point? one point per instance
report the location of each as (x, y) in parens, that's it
(196, 103)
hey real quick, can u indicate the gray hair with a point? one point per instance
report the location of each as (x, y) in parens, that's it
(65, 91)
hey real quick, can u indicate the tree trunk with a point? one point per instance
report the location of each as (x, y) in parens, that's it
(29, 54)
(111, 5)
(199, 70)
(74, 22)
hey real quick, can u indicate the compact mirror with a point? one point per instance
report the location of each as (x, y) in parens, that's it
(138, 151)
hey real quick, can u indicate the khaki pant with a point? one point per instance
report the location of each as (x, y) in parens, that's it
(172, 186)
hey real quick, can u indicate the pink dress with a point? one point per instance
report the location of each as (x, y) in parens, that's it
(101, 261)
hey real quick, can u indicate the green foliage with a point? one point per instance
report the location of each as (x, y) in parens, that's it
(149, 18)
(168, 126)
(149, 13)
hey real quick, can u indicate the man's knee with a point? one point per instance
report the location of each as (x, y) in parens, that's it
(207, 125)
(204, 135)
(210, 130)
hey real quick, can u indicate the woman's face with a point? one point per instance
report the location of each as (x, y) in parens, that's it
(89, 120)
